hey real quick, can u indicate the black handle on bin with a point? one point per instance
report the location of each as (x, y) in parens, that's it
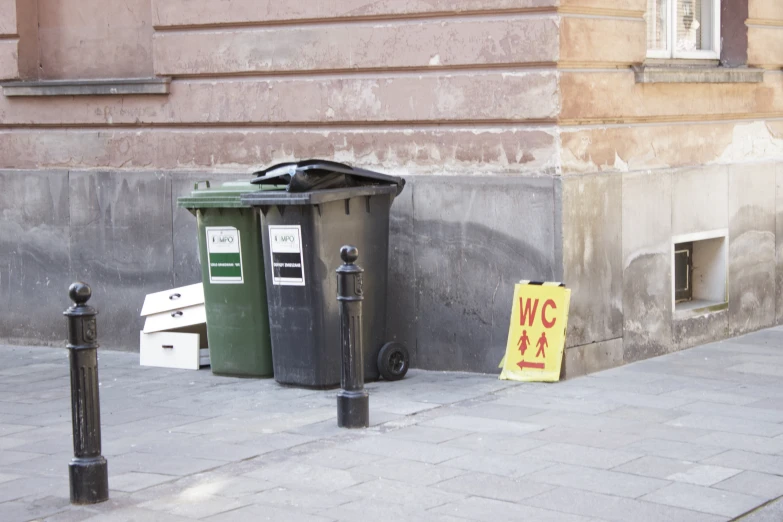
(195, 187)
(176, 314)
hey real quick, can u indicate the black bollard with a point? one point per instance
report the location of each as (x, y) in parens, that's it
(353, 401)
(88, 472)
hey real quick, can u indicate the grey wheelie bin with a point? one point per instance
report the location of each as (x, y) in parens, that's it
(326, 205)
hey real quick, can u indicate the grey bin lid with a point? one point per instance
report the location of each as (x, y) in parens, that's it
(317, 174)
(316, 197)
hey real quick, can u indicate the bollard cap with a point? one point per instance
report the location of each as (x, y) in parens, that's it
(79, 293)
(349, 254)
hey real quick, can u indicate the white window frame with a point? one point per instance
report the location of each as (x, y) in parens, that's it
(671, 34)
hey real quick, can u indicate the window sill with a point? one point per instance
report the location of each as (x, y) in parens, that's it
(696, 74)
(88, 87)
(698, 307)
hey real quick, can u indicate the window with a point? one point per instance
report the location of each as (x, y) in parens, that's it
(683, 29)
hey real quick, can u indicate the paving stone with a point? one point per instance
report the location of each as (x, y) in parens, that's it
(748, 461)
(630, 384)
(489, 510)
(24, 510)
(582, 421)
(163, 464)
(298, 500)
(161, 422)
(592, 438)
(641, 400)
(499, 427)
(656, 467)
(400, 407)
(70, 514)
(772, 404)
(36, 486)
(426, 434)
(114, 416)
(772, 512)
(38, 465)
(198, 447)
(11, 442)
(6, 418)
(194, 504)
(134, 481)
(63, 431)
(136, 514)
(498, 464)
(598, 480)
(376, 511)
(410, 471)
(673, 449)
(6, 477)
(588, 405)
(450, 396)
(267, 442)
(740, 412)
(703, 475)
(392, 491)
(717, 423)
(47, 446)
(706, 500)
(493, 486)
(307, 476)
(498, 444)
(754, 483)
(677, 470)
(581, 455)
(752, 443)
(113, 445)
(696, 394)
(504, 410)
(613, 508)
(573, 388)
(758, 369)
(322, 429)
(233, 486)
(404, 449)
(673, 433)
(341, 459)
(10, 457)
(642, 414)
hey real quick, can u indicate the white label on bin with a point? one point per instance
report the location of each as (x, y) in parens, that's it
(224, 254)
(285, 242)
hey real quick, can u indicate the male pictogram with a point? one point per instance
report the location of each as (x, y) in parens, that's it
(524, 342)
(541, 344)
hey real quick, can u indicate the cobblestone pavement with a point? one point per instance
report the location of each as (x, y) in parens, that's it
(692, 436)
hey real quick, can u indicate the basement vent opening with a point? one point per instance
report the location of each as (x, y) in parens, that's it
(699, 273)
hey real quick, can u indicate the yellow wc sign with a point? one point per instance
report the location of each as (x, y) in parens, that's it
(536, 335)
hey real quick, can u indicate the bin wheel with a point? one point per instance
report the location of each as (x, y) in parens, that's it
(393, 361)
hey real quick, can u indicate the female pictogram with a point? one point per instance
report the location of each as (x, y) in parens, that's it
(524, 342)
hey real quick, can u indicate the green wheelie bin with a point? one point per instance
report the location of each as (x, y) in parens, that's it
(232, 268)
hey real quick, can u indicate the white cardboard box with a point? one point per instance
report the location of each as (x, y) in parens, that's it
(174, 334)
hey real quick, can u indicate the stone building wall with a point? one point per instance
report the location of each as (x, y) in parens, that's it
(531, 151)
(645, 162)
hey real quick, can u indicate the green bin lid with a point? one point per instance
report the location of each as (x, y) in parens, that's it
(227, 195)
